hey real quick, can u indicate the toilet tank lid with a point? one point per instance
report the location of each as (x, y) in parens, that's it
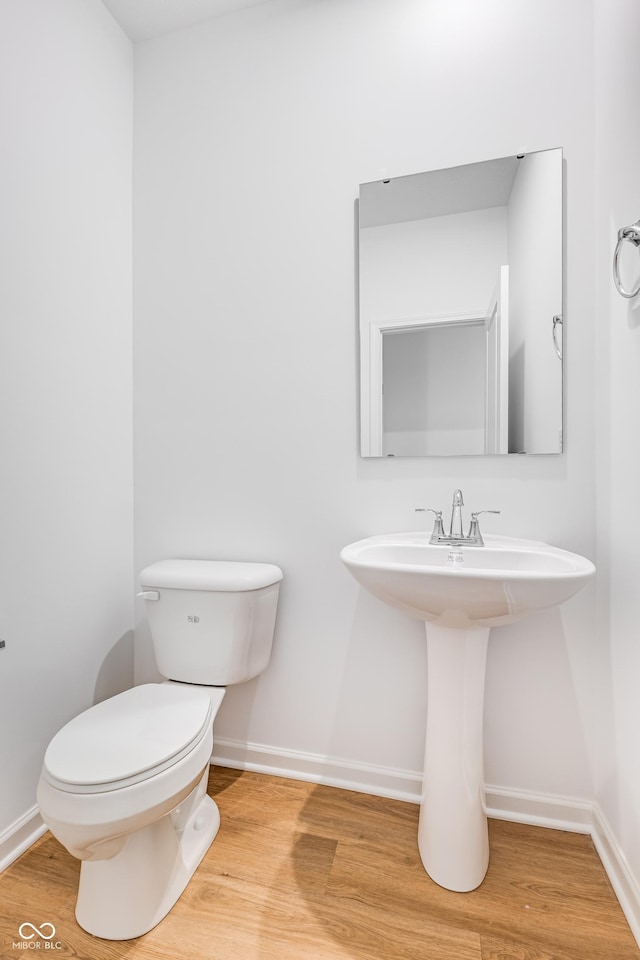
(215, 575)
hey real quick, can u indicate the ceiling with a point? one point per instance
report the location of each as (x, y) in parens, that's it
(438, 193)
(144, 19)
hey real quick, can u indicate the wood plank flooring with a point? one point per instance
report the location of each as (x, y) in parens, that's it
(306, 872)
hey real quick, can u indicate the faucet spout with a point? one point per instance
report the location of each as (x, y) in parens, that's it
(455, 530)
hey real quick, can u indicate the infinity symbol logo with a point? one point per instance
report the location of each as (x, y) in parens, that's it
(37, 931)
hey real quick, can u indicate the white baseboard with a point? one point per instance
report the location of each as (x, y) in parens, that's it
(20, 836)
(314, 768)
(539, 809)
(617, 869)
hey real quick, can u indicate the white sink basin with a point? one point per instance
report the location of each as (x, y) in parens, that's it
(490, 585)
(460, 593)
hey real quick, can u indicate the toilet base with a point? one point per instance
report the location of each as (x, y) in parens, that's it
(126, 896)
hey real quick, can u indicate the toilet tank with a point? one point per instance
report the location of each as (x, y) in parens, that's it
(211, 621)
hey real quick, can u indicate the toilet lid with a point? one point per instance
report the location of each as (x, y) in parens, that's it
(128, 738)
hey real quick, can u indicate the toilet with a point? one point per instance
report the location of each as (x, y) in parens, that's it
(124, 785)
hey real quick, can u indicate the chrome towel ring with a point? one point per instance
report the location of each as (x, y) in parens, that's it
(632, 235)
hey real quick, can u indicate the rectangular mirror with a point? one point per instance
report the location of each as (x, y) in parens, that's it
(461, 310)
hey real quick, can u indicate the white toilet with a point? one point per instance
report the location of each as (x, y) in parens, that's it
(123, 785)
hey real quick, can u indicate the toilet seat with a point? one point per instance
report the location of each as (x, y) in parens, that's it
(128, 738)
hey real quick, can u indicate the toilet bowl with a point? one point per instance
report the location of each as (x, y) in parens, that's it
(123, 788)
(123, 785)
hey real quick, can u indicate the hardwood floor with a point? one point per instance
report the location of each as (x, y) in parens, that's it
(305, 872)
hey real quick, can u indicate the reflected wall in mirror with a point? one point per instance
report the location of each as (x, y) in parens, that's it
(461, 310)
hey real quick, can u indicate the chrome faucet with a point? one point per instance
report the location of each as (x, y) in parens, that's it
(455, 527)
(456, 536)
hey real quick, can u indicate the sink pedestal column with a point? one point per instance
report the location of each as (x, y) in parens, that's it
(452, 832)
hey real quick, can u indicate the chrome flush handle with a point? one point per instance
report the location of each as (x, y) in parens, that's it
(149, 594)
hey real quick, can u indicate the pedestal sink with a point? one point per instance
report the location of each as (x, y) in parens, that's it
(460, 593)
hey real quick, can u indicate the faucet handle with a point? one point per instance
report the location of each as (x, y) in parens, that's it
(438, 529)
(474, 526)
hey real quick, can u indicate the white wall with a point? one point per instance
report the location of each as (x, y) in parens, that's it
(617, 27)
(253, 133)
(65, 376)
(431, 267)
